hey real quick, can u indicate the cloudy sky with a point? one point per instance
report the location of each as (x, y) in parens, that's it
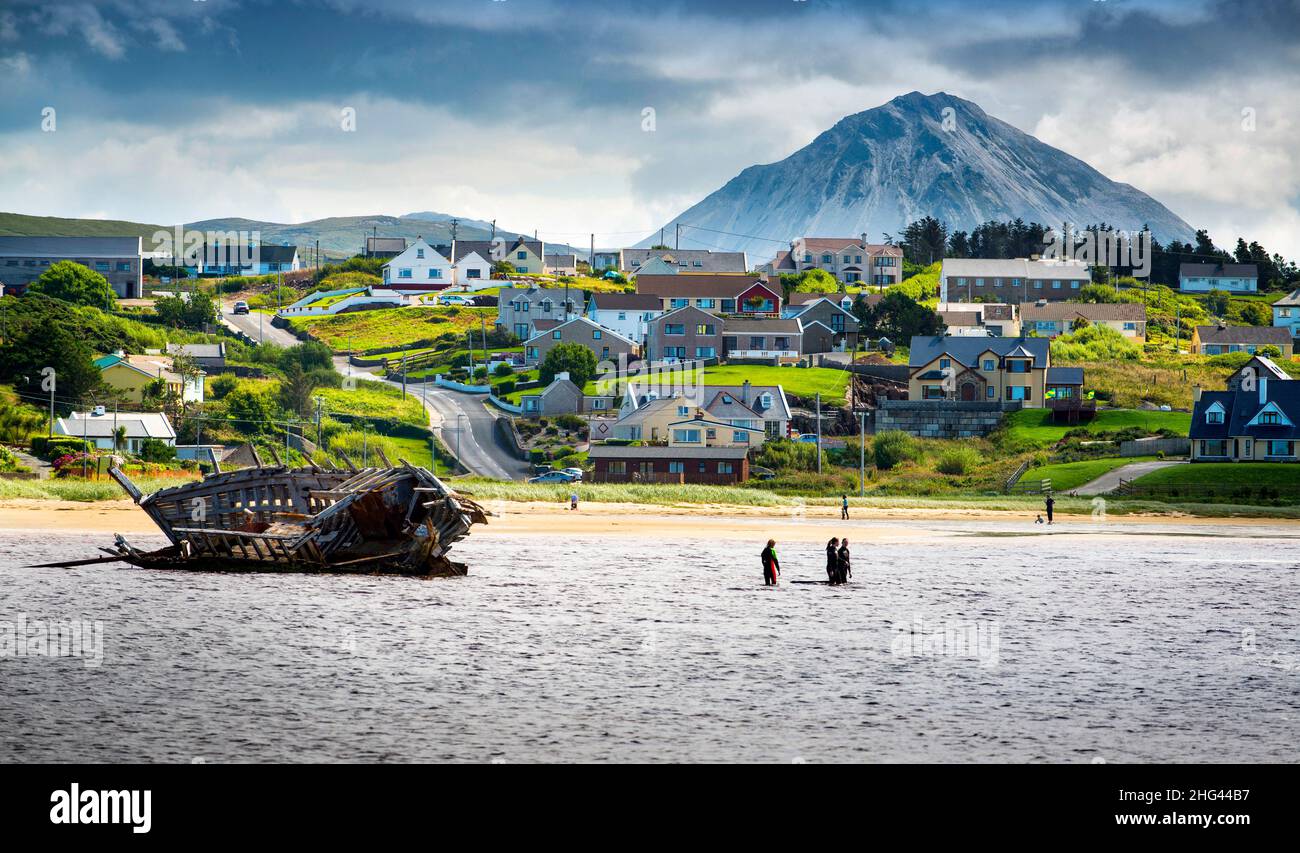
(532, 112)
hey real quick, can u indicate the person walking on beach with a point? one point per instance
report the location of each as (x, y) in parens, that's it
(771, 565)
(844, 507)
(832, 561)
(842, 562)
(1051, 504)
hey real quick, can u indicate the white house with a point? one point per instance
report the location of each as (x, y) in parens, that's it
(1230, 278)
(629, 314)
(420, 268)
(99, 425)
(472, 267)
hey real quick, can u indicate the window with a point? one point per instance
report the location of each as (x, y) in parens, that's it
(676, 468)
(1130, 327)
(678, 303)
(826, 259)
(434, 272)
(705, 329)
(1268, 419)
(674, 328)
(474, 272)
(991, 393)
(979, 282)
(1280, 448)
(782, 344)
(846, 259)
(757, 342)
(617, 467)
(124, 266)
(997, 282)
(1214, 447)
(419, 253)
(705, 303)
(837, 322)
(1056, 285)
(686, 436)
(556, 335)
(697, 263)
(945, 363)
(1074, 285)
(765, 401)
(404, 272)
(990, 364)
(595, 334)
(740, 436)
(724, 468)
(523, 306)
(522, 256)
(728, 306)
(1214, 416)
(706, 352)
(674, 352)
(931, 392)
(683, 411)
(1017, 365)
(598, 403)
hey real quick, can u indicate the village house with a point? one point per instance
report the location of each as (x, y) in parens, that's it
(833, 311)
(132, 375)
(673, 261)
(683, 334)
(1230, 278)
(980, 319)
(629, 314)
(563, 397)
(1216, 340)
(646, 416)
(765, 338)
(517, 307)
(1247, 425)
(1013, 280)
(562, 264)
(1245, 377)
(612, 463)
(211, 358)
(225, 259)
(944, 367)
(716, 294)
(418, 269)
(384, 247)
(1286, 313)
(118, 259)
(470, 267)
(100, 426)
(526, 256)
(851, 260)
(1050, 319)
(605, 343)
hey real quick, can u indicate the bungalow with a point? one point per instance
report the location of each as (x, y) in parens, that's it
(716, 294)
(521, 253)
(1246, 376)
(209, 357)
(849, 259)
(134, 374)
(605, 343)
(1050, 319)
(614, 463)
(517, 307)
(470, 267)
(1215, 340)
(1286, 313)
(100, 427)
(1230, 278)
(980, 319)
(224, 259)
(972, 369)
(1257, 425)
(673, 261)
(629, 314)
(563, 397)
(1015, 280)
(419, 269)
(563, 264)
(646, 416)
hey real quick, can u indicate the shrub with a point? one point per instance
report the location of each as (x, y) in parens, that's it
(892, 447)
(572, 423)
(505, 387)
(222, 384)
(783, 454)
(503, 369)
(958, 460)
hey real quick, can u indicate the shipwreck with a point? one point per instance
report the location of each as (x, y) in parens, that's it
(272, 518)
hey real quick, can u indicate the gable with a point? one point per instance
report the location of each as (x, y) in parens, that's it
(1268, 408)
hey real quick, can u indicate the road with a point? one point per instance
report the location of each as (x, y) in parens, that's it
(258, 327)
(1110, 480)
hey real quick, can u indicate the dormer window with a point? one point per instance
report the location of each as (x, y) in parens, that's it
(1267, 418)
(765, 401)
(1214, 416)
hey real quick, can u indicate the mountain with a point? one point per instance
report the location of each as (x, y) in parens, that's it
(878, 170)
(340, 236)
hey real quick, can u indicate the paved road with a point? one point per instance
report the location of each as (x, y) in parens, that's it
(1110, 480)
(461, 421)
(258, 327)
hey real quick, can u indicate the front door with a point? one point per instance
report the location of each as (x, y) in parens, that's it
(968, 392)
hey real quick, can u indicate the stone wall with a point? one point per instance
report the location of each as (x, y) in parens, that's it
(941, 418)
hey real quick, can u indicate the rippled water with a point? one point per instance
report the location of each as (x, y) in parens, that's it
(1127, 648)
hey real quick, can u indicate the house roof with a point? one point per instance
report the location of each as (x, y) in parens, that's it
(721, 286)
(268, 253)
(779, 408)
(685, 260)
(619, 451)
(1266, 365)
(1065, 376)
(1240, 407)
(1292, 298)
(926, 348)
(1277, 335)
(725, 405)
(138, 425)
(960, 318)
(537, 294)
(1022, 268)
(217, 350)
(562, 260)
(761, 325)
(583, 321)
(70, 247)
(1218, 271)
(1097, 312)
(386, 244)
(545, 324)
(461, 248)
(627, 302)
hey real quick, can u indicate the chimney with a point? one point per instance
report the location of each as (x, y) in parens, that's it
(1196, 393)
(1263, 390)
(563, 374)
(744, 392)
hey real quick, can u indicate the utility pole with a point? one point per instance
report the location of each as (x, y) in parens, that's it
(320, 402)
(52, 382)
(454, 222)
(819, 432)
(862, 453)
(677, 242)
(591, 261)
(404, 373)
(85, 426)
(482, 322)
(494, 230)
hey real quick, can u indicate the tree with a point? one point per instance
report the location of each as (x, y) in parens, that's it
(195, 312)
(75, 283)
(898, 317)
(31, 348)
(577, 360)
(1097, 293)
(503, 268)
(810, 281)
(295, 390)
(1216, 302)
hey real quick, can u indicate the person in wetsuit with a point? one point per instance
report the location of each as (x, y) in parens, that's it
(832, 560)
(771, 565)
(843, 565)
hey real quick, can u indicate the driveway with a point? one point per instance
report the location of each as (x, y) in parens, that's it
(1109, 481)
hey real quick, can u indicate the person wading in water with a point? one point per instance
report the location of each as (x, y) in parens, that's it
(845, 569)
(1051, 503)
(832, 560)
(771, 565)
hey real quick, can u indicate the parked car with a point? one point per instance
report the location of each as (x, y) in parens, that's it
(575, 473)
(241, 307)
(553, 477)
(453, 299)
(808, 438)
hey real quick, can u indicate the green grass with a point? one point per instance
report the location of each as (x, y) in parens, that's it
(1071, 475)
(364, 330)
(1225, 474)
(375, 400)
(803, 382)
(1035, 425)
(83, 490)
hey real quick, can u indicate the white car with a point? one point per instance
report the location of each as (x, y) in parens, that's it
(552, 477)
(575, 473)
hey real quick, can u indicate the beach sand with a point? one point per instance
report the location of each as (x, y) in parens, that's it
(683, 521)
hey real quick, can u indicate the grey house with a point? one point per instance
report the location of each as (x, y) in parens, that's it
(519, 307)
(118, 259)
(684, 334)
(210, 357)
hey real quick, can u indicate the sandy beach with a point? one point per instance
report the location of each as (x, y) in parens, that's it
(804, 524)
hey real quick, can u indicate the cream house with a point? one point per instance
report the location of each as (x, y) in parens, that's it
(972, 369)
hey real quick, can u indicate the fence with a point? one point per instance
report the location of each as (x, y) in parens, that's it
(1031, 487)
(460, 386)
(504, 406)
(1015, 478)
(1153, 446)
